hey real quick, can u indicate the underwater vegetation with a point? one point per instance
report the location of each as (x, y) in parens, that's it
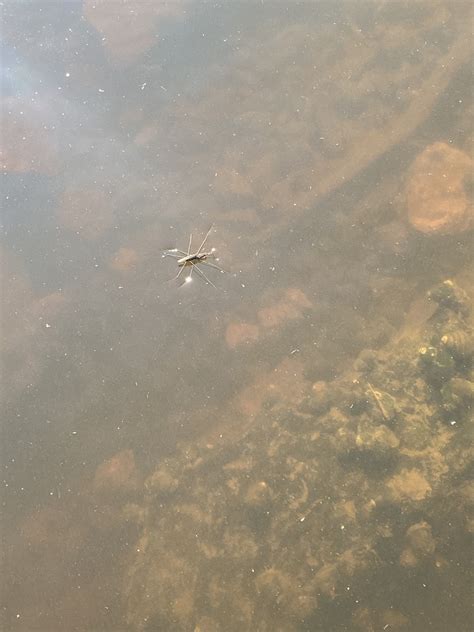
(320, 501)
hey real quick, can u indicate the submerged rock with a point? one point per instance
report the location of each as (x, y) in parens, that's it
(457, 398)
(420, 544)
(449, 296)
(408, 485)
(438, 192)
(117, 475)
(378, 440)
(128, 29)
(438, 364)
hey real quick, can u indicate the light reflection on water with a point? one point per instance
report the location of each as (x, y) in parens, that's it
(121, 142)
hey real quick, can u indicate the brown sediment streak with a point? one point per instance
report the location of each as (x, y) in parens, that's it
(381, 140)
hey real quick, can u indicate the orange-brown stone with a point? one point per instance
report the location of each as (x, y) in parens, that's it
(437, 194)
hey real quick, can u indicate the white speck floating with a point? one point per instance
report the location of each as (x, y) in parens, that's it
(188, 279)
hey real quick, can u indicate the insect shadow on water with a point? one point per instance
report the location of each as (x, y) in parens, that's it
(193, 260)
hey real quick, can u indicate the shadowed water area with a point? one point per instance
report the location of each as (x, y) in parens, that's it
(285, 447)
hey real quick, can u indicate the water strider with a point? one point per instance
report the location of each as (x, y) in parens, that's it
(194, 260)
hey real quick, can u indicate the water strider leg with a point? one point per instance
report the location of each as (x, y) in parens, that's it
(212, 265)
(178, 275)
(175, 253)
(199, 271)
(205, 238)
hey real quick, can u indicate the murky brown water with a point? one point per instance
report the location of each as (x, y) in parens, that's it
(307, 136)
